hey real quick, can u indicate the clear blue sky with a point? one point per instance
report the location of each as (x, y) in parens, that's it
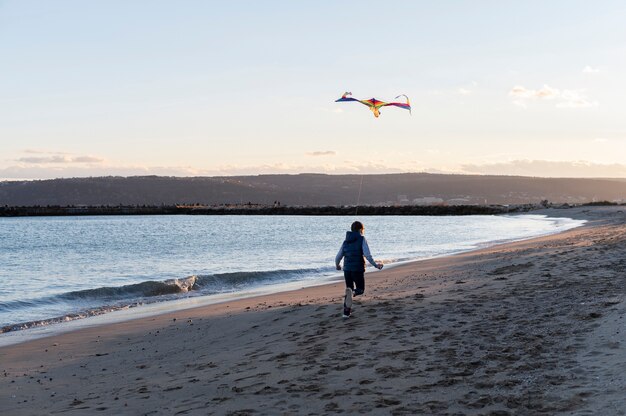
(208, 88)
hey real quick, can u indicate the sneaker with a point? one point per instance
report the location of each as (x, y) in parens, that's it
(358, 292)
(347, 302)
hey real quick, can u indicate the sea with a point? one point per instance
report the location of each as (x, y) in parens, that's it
(60, 269)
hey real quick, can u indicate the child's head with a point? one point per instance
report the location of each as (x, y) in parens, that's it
(357, 226)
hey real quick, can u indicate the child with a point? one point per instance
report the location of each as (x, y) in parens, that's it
(353, 250)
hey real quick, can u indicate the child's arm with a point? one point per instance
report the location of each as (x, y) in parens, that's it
(338, 257)
(368, 255)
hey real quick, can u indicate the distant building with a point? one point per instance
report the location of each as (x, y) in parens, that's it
(403, 200)
(428, 200)
(458, 201)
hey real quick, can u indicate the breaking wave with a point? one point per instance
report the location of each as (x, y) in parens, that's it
(143, 289)
(91, 302)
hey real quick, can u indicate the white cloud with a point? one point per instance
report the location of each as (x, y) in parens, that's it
(544, 93)
(467, 89)
(38, 160)
(565, 98)
(575, 99)
(590, 70)
(322, 153)
(520, 103)
(540, 168)
(549, 168)
(44, 152)
(59, 159)
(51, 171)
(87, 159)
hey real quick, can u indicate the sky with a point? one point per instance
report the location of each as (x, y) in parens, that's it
(197, 88)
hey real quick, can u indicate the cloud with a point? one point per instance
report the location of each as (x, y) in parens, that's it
(549, 168)
(467, 89)
(539, 168)
(51, 171)
(22, 172)
(346, 166)
(87, 159)
(43, 152)
(590, 70)
(575, 99)
(38, 160)
(58, 159)
(544, 93)
(322, 153)
(565, 98)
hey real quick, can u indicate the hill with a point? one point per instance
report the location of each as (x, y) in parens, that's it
(309, 190)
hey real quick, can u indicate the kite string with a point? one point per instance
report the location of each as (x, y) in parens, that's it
(358, 200)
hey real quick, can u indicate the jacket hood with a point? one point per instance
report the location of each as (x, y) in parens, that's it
(352, 236)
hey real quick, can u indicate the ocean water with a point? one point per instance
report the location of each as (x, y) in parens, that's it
(55, 269)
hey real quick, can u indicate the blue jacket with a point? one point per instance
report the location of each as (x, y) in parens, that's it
(353, 249)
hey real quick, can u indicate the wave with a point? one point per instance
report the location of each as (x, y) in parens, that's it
(144, 289)
(139, 290)
(65, 318)
(231, 281)
(91, 302)
(205, 284)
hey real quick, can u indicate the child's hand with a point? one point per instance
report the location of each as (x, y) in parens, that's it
(338, 267)
(379, 266)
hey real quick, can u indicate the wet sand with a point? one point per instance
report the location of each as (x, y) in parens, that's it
(533, 327)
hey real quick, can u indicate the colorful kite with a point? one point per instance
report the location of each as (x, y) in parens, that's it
(375, 104)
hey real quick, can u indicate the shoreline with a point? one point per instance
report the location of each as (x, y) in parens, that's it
(526, 327)
(106, 315)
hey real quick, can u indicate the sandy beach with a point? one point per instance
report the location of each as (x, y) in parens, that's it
(531, 327)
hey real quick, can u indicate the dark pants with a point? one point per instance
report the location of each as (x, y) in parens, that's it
(355, 278)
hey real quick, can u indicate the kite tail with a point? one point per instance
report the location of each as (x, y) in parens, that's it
(358, 200)
(408, 102)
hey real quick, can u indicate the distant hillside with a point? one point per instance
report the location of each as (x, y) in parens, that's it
(309, 189)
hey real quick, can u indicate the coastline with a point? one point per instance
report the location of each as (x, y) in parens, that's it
(25, 331)
(519, 327)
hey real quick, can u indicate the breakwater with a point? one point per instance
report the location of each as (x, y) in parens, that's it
(32, 211)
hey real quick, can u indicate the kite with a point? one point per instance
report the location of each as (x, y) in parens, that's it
(375, 104)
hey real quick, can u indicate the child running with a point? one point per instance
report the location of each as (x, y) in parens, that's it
(353, 250)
